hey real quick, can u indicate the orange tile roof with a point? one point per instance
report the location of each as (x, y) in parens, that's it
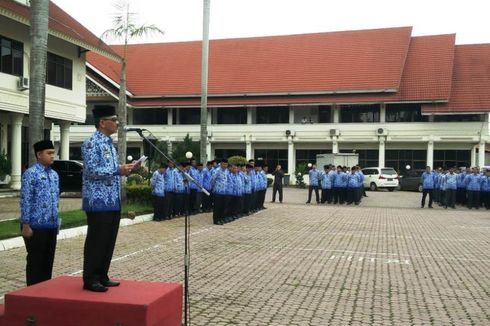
(471, 82)
(351, 61)
(59, 22)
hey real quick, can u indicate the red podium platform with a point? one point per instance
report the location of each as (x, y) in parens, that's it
(62, 302)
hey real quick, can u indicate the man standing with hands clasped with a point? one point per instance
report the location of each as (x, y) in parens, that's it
(39, 213)
(101, 194)
(277, 185)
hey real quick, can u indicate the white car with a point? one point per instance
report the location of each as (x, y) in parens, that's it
(376, 177)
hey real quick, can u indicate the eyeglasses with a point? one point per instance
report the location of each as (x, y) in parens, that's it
(111, 119)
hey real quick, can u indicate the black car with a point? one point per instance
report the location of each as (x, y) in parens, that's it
(411, 180)
(70, 173)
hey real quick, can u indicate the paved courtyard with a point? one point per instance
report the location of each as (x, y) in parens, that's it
(386, 262)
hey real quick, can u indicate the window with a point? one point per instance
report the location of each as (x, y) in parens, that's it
(149, 116)
(359, 113)
(368, 157)
(232, 115)
(267, 114)
(187, 116)
(324, 114)
(404, 113)
(458, 118)
(450, 158)
(273, 157)
(226, 153)
(11, 57)
(305, 156)
(399, 159)
(59, 71)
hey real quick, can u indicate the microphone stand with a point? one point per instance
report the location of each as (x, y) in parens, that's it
(187, 224)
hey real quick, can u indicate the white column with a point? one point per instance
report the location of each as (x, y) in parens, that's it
(430, 154)
(211, 113)
(249, 115)
(170, 116)
(473, 155)
(335, 145)
(208, 150)
(291, 114)
(16, 150)
(291, 158)
(248, 149)
(4, 136)
(336, 114)
(381, 154)
(65, 140)
(481, 154)
(382, 113)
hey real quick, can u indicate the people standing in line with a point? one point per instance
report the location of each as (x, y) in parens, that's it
(326, 184)
(450, 181)
(486, 189)
(314, 183)
(179, 190)
(247, 190)
(353, 181)
(278, 174)
(473, 186)
(207, 201)
(219, 184)
(101, 192)
(169, 190)
(39, 221)
(428, 183)
(157, 184)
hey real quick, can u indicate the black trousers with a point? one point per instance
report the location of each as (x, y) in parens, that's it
(486, 199)
(326, 196)
(159, 208)
(247, 203)
(99, 245)
(192, 200)
(40, 249)
(219, 208)
(450, 198)
(473, 199)
(169, 204)
(178, 207)
(352, 195)
(262, 197)
(424, 195)
(277, 188)
(197, 202)
(317, 195)
(207, 202)
(461, 196)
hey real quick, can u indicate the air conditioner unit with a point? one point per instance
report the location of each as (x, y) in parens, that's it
(381, 132)
(334, 132)
(23, 83)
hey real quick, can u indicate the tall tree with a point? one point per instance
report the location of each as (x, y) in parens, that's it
(125, 29)
(37, 73)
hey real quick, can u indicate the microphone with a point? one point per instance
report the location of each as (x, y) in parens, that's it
(127, 129)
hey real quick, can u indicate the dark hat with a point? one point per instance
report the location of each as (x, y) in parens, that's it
(103, 111)
(224, 160)
(42, 145)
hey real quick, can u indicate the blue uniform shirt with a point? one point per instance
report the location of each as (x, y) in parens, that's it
(39, 197)
(314, 177)
(352, 180)
(485, 187)
(473, 182)
(219, 181)
(101, 190)
(326, 180)
(206, 179)
(158, 184)
(451, 181)
(169, 180)
(179, 186)
(428, 180)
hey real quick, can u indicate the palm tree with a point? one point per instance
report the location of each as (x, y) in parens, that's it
(125, 29)
(37, 73)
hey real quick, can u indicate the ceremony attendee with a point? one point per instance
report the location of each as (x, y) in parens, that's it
(450, 181)
(314, 180)
(219, 184)
(326, 179)
(101, 192)
(157, 183)
(486, 189)
(39, 214)
(278, 174)
(428, 184)
(169, 190)
(353, 188)
(473, 186)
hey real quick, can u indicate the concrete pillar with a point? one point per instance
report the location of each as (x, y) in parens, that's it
(336, 114)
(381, 154)
(430, 154)
(473, 156)
(65, 140)
(335, 145)
(211, 112)
(208, 150)
(248, 149)
(291, 157)
(249, 115)
(291, 114)
(4, 136)
(481, 154)
(170, 116)
(382, 113)
(15, 156)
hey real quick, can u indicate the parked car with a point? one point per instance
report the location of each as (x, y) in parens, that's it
(411, 180)
(376, 177)
(70, 173)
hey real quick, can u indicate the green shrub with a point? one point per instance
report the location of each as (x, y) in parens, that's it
(237, 160)
(269, 181)
(5, 166)
(138, 194)
(134, 179)
(301, 169)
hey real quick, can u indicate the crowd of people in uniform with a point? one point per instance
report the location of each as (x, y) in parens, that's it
(338, 185)
(468, 187)
(235, 190)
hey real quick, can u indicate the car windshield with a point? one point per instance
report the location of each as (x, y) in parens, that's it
(388, 171)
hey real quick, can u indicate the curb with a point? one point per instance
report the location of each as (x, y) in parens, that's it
(18, 242)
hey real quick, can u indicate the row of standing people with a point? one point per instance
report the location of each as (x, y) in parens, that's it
(235, 190)
(468, 187)
(338, 185)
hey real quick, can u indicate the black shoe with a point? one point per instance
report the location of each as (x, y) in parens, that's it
(95, 287)
(422, 206)
(307, 202)
(431, 207)
(110, 283)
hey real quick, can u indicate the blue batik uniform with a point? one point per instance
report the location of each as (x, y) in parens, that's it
(428, 180)
(326, 180)
(352, 181)
(39, 197)
(473, 182)
(451, 181)
(485, 185)
(179, 186)
(206, 179)
(101, 179)
(194, 173)
(158, 184)
(219, 181)
(247, 183)
(314, 177)
(169, 180)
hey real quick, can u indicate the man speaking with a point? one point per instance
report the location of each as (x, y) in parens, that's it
(101, 194)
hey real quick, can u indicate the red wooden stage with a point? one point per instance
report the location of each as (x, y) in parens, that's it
(63, 302)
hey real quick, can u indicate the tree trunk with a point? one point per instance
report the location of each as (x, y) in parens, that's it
(37, 73)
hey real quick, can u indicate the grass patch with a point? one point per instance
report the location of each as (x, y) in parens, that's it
(70, 219)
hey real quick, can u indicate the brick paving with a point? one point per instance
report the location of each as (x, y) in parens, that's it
(386, 262)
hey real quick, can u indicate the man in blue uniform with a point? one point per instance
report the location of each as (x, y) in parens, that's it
(473, 186)
(169, 190)
(157, 183)
(428, 184)
(314, 180)
(450, 181)
(39, 214)
(101, 194)
(219, 184)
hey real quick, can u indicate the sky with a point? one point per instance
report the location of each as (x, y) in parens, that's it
(181, 20)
